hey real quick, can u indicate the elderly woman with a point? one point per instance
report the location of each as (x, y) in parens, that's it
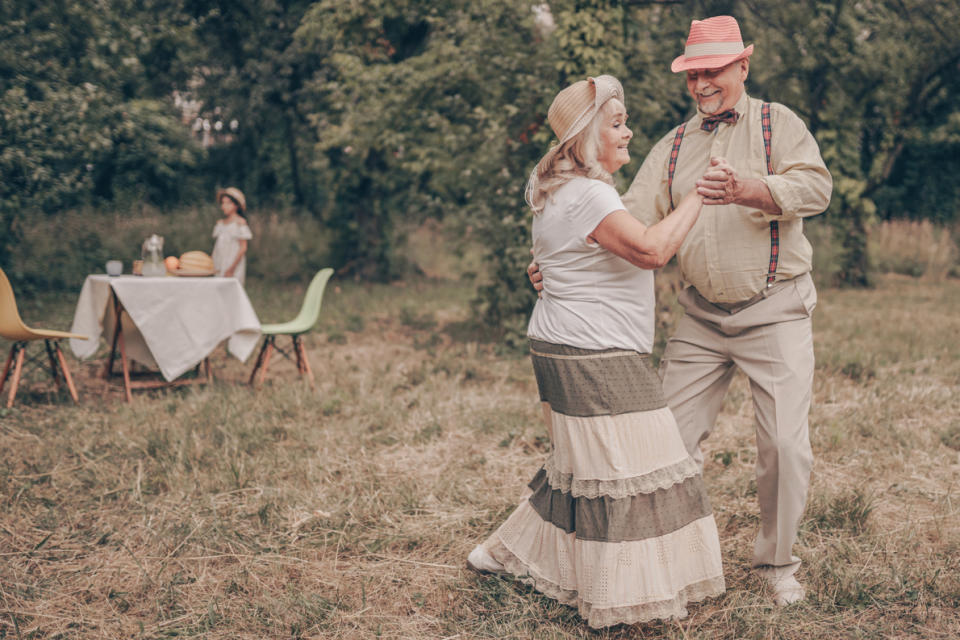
(616, 522)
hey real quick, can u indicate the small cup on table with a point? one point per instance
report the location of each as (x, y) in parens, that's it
(114, 267)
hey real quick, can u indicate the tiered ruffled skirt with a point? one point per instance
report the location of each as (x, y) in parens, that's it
(618, 523)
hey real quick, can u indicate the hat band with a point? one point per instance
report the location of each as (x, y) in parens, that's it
(713, 49)
(578, 124)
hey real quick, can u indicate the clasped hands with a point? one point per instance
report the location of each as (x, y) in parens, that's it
(719, 183)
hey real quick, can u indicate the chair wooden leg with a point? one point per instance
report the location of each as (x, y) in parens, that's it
(6, 367)
(66, 373)
(17, 369)
(207, 371)
(306, 364)
(266, 360)
(126, 366)
(258, 363)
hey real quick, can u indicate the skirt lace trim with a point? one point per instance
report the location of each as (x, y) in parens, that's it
(662, 478)
(597, 617)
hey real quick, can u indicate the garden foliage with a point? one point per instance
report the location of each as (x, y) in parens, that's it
(374, 115)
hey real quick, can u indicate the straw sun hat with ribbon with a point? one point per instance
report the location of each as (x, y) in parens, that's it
(575, 106)
(569, 114)
(711, 44)
(236, 195)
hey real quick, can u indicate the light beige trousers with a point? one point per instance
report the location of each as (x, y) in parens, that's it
(771, 341)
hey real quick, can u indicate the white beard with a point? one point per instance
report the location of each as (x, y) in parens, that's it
(711, 105)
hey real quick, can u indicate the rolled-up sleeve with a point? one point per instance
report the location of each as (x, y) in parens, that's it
(801, 185)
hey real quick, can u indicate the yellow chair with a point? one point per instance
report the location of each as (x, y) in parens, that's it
(12, 328)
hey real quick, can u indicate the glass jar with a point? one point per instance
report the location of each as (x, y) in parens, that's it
(152, 255)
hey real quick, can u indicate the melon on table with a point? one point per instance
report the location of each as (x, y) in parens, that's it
(196, 261)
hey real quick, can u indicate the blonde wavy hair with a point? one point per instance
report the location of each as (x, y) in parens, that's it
(577, 157)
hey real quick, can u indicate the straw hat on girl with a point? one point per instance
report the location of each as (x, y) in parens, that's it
(711, 44)
(234, 194)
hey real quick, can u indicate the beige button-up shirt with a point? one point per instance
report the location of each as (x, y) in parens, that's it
(726, 255)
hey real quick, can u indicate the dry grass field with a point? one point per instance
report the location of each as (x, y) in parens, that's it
(222, 512)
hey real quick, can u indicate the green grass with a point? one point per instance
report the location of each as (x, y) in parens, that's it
(220, 512)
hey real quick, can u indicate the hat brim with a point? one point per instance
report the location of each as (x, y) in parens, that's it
(683, 63)
(241, 202)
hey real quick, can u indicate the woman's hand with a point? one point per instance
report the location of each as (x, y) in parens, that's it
(721, 184)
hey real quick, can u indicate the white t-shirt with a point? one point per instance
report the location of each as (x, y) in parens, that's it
(591, 299)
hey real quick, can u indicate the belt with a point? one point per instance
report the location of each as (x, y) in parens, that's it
(766, 292)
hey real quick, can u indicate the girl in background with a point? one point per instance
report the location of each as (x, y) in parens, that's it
(231, 235)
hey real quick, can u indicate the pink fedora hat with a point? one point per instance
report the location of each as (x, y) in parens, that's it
(712, 43)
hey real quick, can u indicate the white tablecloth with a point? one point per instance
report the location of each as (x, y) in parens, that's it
(174, 322)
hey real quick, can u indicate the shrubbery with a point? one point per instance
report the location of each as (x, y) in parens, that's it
(917, 248)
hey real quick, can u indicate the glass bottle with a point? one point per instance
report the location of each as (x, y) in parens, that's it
(152, 254)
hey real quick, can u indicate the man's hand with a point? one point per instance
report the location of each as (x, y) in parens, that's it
(720, 184)
(536, 278)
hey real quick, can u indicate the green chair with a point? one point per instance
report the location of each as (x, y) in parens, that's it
(12, 328)
(300, 325)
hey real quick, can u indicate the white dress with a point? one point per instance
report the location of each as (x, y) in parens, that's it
(226, 246)
(617, 522)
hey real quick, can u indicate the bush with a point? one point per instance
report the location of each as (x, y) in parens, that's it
(827, 250)
(917, 248)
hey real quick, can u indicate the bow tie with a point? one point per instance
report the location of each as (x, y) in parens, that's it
(710, 122)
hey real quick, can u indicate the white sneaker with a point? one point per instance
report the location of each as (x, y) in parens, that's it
(482, 562)
(786, 589)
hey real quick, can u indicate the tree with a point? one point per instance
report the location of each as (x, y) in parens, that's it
(85, 109)
(248, 67)
(376, 114)
(872, 79)
(422, 110)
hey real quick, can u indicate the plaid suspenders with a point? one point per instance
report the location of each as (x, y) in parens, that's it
(672, 166)
(774, 225)
(767, 135)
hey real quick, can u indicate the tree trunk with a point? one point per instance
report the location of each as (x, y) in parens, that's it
(854, 258)
(294, 162)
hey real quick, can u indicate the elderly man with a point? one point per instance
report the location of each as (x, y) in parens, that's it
(747, 264)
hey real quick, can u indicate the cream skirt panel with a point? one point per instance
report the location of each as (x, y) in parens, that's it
(617, 455)
(612, 583)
